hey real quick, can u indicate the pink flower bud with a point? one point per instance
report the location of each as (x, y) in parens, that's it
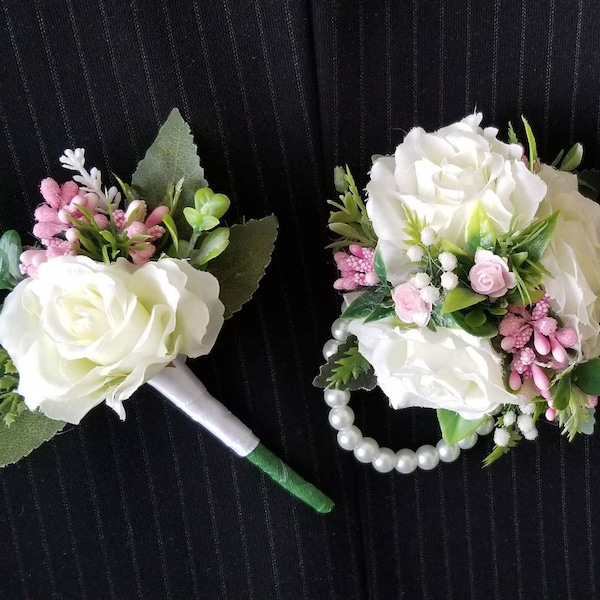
(541, 343)
(514, 381)
(540, 378)
(156, 216)
(558, 352)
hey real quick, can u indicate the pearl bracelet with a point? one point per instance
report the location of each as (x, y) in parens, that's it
(366, 449)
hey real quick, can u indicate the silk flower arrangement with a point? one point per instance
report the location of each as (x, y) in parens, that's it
(122, 288)
(471, 286)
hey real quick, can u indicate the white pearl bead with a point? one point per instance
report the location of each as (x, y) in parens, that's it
(427, 457)
(384, 461)
(330, 348)
(366, 450)
(341, 417)
(448, 452)
(468, 442)
(339, 329)
(336, 397)
(406, 461)
(349, 437)
(486, 426)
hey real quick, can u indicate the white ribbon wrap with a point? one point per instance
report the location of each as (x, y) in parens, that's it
(179, 385)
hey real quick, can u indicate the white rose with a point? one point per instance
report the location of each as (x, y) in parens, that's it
(83, 331)
(442, 176)
(445, 369)
(573, 258)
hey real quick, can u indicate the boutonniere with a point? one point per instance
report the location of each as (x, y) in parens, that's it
(124, 285)
(471, 286)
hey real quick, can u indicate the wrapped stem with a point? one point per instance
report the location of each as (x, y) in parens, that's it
(179, 385)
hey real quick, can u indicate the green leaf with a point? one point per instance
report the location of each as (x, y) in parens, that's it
(586, 376)
(573, 158)
(587, 426)
(347, 369)
(207, 202)
(212, 245)
(171, 157)
(531, 143)
(240, 268)
(476, 318)
(589, 183)
(454, 427)
(459, 298)
(379, 267)
(487, 330)
(480, 232)
(512, 136)
(198, 221)
(561, 392)
(535, 238)
(364, 304)
(28, 431)
(172, 229)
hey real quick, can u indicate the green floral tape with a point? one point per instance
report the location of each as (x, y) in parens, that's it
(288, 479)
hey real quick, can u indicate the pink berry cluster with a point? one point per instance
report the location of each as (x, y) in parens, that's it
(537, 344)
(64, 217)
(356, 268)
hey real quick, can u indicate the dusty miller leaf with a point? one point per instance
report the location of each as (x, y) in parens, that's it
(29, 431)
(242, 265)
(171, 156)
(366, 380)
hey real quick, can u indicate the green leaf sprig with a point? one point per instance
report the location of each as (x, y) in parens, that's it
(349, 221)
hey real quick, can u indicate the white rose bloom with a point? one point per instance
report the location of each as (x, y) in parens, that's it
(573, 258)
(84, 331)
(442, 176)
(445, 369)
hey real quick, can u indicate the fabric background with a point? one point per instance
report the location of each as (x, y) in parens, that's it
(278, 93)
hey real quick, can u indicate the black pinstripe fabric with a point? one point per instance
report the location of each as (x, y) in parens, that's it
(278, 93)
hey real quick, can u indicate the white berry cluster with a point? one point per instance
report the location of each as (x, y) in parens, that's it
(524, 422)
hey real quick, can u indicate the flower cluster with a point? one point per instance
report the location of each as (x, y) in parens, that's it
(487, 301)
(113, 293)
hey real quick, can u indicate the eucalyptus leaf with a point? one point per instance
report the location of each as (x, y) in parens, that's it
(212, 245)
(240, 268)
(573, 158)
(454, 427)
(171, 157)
(587, 426)
(29, 431)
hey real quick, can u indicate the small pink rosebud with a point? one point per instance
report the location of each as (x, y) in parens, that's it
(410, 306)
(551, 414)
(592, 401)
(490, 275)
